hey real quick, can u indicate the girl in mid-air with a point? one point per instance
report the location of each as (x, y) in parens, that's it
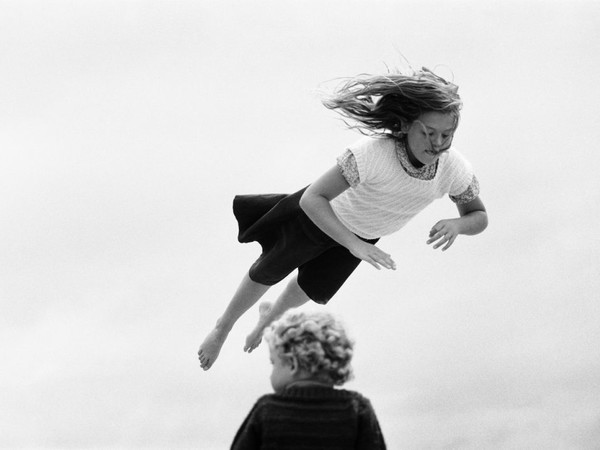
(403, 163)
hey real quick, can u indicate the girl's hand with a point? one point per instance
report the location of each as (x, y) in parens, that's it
(373, 255)
(444, 232)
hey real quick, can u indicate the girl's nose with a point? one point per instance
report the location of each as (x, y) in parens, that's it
(436, 143)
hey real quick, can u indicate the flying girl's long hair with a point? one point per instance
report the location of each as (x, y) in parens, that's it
(381, 104)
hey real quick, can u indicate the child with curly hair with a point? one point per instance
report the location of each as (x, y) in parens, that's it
(404, 163)
(310, 354)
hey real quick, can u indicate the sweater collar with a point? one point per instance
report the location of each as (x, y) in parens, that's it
(313, 392)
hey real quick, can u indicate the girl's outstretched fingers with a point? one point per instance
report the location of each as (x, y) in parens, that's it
(374, 256)
(379, 263)
(385, 260)
(441, 238)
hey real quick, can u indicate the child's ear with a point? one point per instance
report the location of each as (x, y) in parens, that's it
(293, 363)
(404, 126)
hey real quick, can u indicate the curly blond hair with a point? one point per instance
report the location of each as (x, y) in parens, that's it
(379, 104)
(318, 341)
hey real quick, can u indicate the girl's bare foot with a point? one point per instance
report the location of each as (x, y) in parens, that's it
(255, 337)
(210, 348)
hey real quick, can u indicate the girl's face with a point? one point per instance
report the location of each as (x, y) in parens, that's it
(430, 135)
(283, 372)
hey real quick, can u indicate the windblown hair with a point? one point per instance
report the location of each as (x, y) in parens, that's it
(319, 343)
(379, 104)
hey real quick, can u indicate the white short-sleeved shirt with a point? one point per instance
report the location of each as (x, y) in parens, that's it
(387, 191)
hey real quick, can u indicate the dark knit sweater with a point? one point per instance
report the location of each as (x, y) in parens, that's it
(310, 418)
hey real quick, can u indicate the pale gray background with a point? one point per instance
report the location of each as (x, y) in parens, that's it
(127, 127)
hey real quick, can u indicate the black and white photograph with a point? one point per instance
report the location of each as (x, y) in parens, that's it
(278, 224)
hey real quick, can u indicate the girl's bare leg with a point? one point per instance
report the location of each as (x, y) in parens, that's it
(247, 294)
(292, 297)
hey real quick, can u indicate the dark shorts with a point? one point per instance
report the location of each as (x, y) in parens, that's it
(289, 241)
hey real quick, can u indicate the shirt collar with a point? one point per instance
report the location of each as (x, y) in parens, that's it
(422, 173)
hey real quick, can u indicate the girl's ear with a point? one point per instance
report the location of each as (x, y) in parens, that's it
(404, 126)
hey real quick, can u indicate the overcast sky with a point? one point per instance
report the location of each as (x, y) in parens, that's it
(126, 128)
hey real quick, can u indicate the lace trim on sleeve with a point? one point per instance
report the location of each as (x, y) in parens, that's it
(349, 168)
(469, 194)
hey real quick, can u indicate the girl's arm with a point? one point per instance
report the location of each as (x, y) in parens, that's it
(315, 203)
(473, 220)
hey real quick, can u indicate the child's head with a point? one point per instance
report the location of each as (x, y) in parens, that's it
(309, 346)
(387, 104)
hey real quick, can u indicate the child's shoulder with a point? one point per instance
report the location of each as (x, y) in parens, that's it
(266, 398)
(355, 395)
(358, 400)
(374, 151)
(454, 153)
(454, 158)
(264, 404)
(374, 143)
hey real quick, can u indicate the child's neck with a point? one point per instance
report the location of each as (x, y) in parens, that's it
(309, 383)
(414, 161)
